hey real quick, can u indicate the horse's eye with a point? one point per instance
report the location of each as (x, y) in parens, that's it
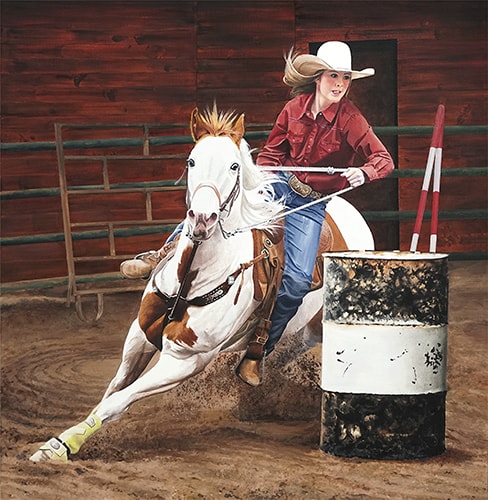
(190, 162)
(235, 166)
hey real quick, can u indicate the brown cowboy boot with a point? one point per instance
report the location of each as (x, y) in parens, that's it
(143, 264)
(251, 371)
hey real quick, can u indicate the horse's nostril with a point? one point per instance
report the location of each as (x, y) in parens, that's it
(191, 214)
(213, 217)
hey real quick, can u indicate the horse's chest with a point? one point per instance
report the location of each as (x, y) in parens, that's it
(207, 325)
(180, 333)
(154, 323)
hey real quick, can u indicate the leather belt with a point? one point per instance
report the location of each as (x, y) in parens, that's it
(303, 189)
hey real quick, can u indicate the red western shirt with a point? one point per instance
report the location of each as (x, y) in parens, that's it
(336, 137)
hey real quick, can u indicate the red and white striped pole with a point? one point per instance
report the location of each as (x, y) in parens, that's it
(434, 162)
(437, 141)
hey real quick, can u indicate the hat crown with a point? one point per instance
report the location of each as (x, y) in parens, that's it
(337, 55)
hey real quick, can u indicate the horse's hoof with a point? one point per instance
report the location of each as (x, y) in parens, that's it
(52, 450)
(250, 371)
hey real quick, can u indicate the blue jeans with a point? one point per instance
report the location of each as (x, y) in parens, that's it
(302, 238)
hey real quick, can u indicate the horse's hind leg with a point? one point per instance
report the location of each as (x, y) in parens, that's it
(136, 354)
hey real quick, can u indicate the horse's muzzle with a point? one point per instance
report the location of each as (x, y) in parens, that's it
(202, 226)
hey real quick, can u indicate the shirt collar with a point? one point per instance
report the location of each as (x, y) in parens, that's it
(307, 104)
(330, 113)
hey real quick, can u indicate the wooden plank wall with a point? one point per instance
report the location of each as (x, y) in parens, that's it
(146, 61)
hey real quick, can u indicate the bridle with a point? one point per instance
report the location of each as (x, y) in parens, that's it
(225, 207)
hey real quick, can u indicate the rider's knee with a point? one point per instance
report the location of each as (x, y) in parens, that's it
(294, 286)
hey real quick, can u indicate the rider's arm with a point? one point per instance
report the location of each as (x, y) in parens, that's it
(378, 162)
(276, 150)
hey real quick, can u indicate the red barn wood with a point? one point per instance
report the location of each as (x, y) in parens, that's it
(145, 61)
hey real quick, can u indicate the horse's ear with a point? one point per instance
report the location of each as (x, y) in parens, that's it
(238, 130)
(196, 125)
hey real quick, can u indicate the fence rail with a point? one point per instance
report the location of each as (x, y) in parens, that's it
(156, 227)
(186, 139)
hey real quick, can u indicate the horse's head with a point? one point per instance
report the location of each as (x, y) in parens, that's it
(214, 170)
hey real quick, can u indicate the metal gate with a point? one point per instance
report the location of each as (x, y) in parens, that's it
(105, 161)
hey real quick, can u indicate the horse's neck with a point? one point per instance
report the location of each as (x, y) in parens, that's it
(221, 255)
(214, 260)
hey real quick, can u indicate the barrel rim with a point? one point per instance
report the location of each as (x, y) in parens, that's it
(386, 255)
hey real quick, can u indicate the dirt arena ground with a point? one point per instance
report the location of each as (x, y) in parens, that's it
(213, 437)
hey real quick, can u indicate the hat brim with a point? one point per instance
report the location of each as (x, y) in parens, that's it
(309, 65)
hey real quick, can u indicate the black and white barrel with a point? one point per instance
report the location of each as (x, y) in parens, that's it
(384, 354)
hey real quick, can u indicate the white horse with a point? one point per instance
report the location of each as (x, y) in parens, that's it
(200, 302)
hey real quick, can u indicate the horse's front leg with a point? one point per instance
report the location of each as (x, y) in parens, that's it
(166, 374)
(137, 353)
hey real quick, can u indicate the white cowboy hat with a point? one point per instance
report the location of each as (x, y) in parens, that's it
(330, 56)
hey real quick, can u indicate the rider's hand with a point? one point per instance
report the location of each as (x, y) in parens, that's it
(355, 176)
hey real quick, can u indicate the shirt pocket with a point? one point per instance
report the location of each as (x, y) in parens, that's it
(295, 138)
(327, 147)
(296, 141)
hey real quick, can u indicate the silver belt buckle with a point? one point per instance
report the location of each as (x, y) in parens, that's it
(298, 186)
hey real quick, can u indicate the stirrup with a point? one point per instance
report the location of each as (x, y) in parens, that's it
(250, 368)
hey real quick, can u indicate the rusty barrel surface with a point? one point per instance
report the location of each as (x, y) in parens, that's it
(384, 354)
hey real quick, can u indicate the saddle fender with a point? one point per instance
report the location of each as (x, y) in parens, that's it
(267, 272)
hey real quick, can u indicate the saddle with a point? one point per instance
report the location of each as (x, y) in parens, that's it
(272, 240)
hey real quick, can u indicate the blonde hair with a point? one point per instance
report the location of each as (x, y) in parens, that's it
(300, 84)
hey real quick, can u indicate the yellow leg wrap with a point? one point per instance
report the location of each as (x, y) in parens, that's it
(75, 436)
